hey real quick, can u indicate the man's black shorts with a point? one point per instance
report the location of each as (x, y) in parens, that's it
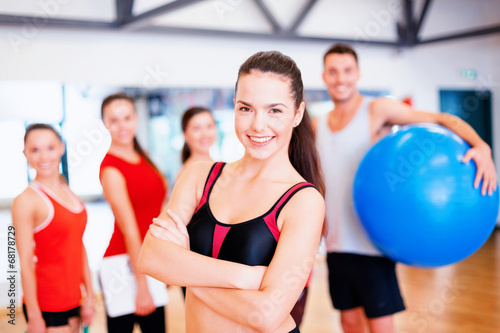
(366, 281)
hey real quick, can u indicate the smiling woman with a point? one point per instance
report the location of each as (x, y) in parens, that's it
(228, 232)
(200, 132)
(135, 190)
(265, 128)
(49, 221)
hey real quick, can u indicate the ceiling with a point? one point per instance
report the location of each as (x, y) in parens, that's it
(393, 23)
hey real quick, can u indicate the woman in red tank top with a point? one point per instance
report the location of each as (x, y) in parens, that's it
(48, 215)
(243, 236)
(136, 191)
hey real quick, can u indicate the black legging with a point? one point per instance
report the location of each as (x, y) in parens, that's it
(153, 323)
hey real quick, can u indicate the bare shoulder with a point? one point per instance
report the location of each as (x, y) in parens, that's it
(26, 198)
(308, 196)
(188, 189)
(111, 172)
(306, 202)
(197, 170)
(385, 108)
(25, 205)
(113, 182)
(199, 166)
(384, 105)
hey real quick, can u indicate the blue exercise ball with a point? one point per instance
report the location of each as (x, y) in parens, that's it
(417, 201)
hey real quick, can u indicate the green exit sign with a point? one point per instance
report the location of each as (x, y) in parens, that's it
(469, 74)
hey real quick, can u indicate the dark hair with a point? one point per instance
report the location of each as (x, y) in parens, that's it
(39, 126)
(341, 48)
(186, 117)
(137, 147)
(302, 149)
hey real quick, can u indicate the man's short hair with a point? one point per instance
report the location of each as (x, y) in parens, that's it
(341, 48)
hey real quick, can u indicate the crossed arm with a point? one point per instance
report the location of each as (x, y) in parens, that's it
(179, 266)
(267, 308)
(241, 293)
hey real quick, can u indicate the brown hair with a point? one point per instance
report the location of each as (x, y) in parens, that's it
(341, 48)
(40, 126)
(302, 149)
(186, 117)
(137, 147)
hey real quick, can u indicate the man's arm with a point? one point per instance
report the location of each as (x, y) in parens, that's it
(389, 112)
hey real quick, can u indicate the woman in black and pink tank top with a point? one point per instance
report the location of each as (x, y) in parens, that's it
(243, 236)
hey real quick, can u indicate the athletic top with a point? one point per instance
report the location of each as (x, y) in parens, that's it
(340, 154)
(146, 191)
(59, 252)
(252, 242)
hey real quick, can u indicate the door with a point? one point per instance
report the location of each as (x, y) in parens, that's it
(473, 106)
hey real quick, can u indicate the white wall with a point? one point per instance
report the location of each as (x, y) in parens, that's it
(121, 58)
(154, 60)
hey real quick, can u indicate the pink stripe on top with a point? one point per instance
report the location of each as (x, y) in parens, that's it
(213, 175)
(78, 205)
(220, 233)
(270, 219)
(49, 204)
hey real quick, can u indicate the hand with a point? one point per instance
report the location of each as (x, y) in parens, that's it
(87, 311)
(144, 304)
(36, 324)
(173, 230)
(481, 154)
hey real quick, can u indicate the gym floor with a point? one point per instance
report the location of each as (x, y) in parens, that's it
(459, 298)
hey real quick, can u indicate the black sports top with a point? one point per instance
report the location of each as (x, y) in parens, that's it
(252, 242)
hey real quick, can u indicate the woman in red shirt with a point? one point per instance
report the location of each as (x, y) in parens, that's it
(49, 222)
(135, 190)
